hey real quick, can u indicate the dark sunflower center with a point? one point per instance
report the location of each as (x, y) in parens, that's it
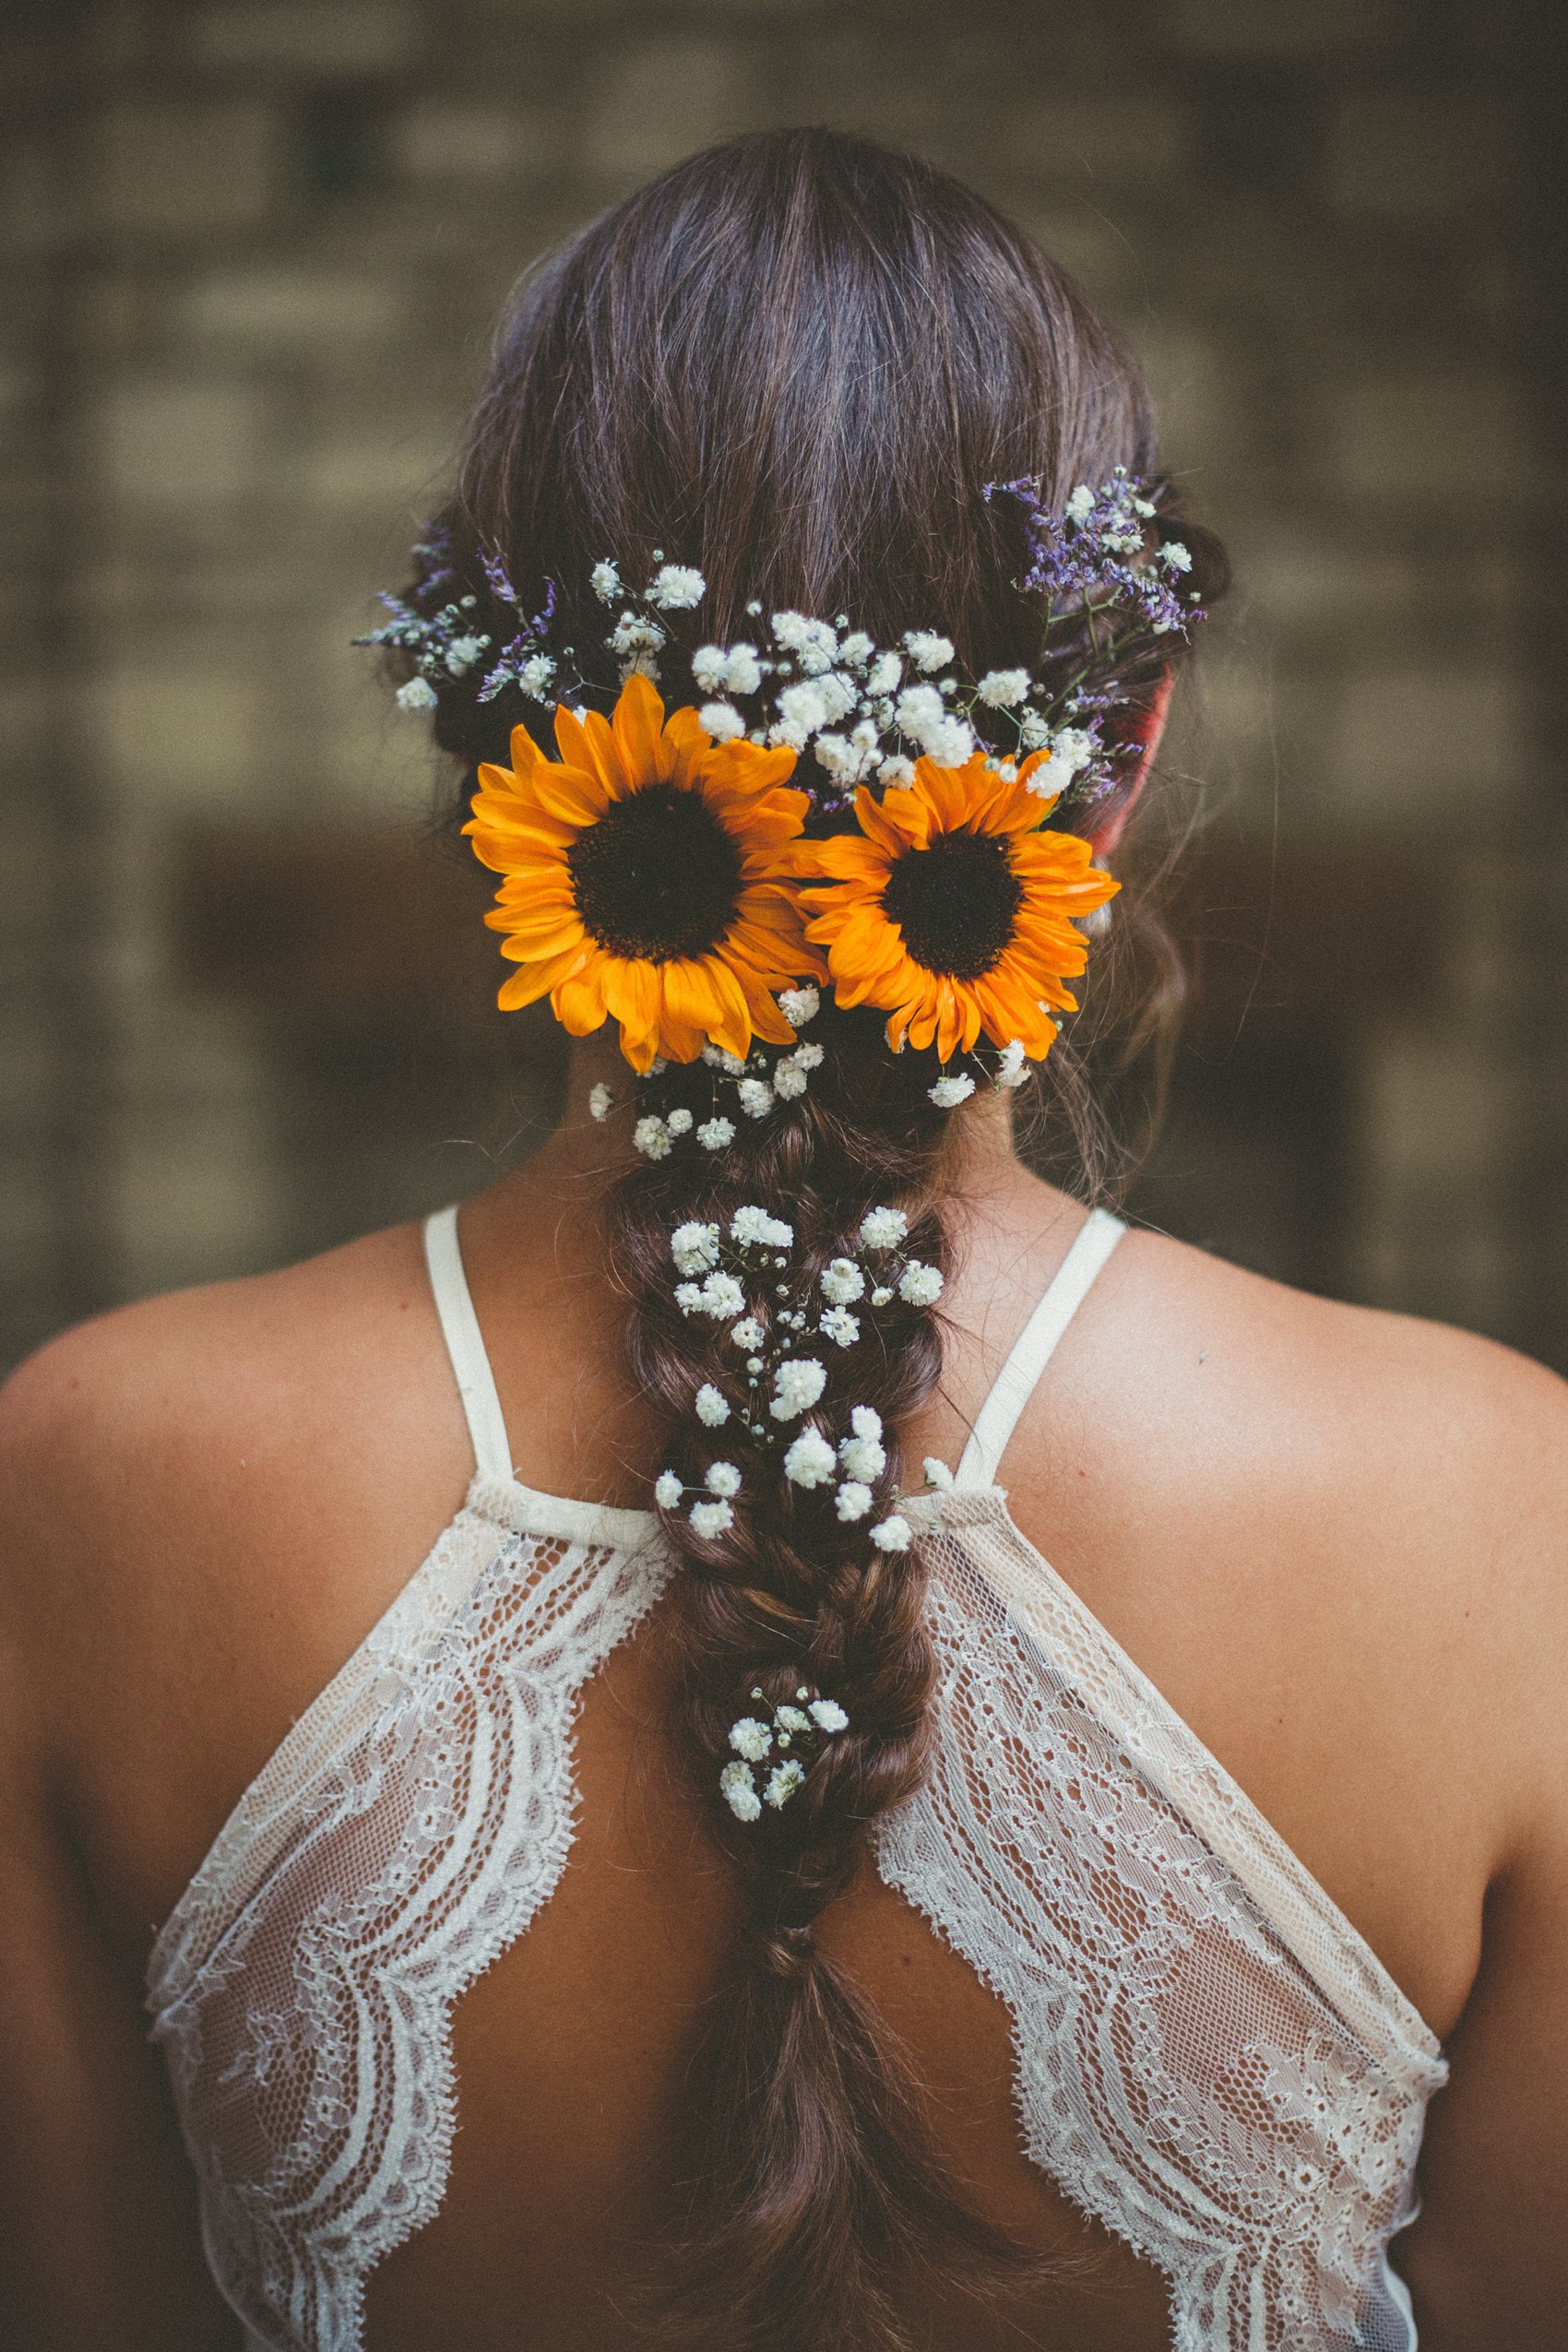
(954, 902)
(658, 877)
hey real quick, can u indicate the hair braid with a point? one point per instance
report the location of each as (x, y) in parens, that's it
(820, 2183)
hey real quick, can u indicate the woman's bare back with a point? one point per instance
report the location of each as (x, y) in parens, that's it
(1332, 1539)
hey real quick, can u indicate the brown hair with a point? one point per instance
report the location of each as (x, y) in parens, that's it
(796, 361)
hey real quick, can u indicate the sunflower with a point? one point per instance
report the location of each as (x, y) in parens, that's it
(953, 909)
(641, 879)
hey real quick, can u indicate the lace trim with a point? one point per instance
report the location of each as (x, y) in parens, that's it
(1209, 2057)
(1239, 2096)
(403, 1836)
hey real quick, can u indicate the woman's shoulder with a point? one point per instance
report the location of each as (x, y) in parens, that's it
(179, 1394)
(206, 1499)
(1366, 1459)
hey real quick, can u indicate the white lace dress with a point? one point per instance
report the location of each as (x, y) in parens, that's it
(1210, 2060)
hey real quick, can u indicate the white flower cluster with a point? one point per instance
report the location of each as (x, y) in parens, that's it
(639, 636)
(863, 710)
(867, 711)
(777, 1753)
(781, 1386)
(758, 1084)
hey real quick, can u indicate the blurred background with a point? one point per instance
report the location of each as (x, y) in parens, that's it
(251, 252)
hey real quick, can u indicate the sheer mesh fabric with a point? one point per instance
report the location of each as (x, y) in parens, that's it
(404, 1835)
(1209, 2058)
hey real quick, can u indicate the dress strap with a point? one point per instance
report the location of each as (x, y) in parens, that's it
(464, 1346)
(1035, 1346)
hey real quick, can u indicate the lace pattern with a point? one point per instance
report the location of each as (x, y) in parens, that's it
(406, 1833)
(1210, 2061)
(1209, 2058)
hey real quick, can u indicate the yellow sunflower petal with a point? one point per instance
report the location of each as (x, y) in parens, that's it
(638, 728)
(534, 981)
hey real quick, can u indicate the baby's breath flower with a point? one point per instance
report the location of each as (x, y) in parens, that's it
(808, 1056)
(862, 1457)
(714, 1133)
(755, 1097)
(668, 1489)
(828, 1716)
(417, 696)
(881, 1296)
(688, 1298)
(632, 635)
(742, 671)
(1012, 1069)
(788, 1079)
(896, 770)
(891, 1534)
(802, 708)
(1002, 688)
(884, 1228)
(799, 1005)
(792, 1718)
(651, 1137)
(721, 720)
(713, 1410)
(747, 1333)
(919, 1285)
(739, 1793)
(600, 1103)
(840, 695)
(536, 673)
(838, 1324)
(797, 1383)
(920, 711)
(782, 1782)
(723, 1478)
(927, 651)
(1072, 748)
(708, 668)
(678, 1121)
(751, 1226)
(677, 588)
(865, 1421)
(694, 1246)
(718, 1058)
(854, 1499)
(937, 1474)
(883, 676)
(710, 1519)
(813, 643)
(721, 1297)
(606, 582)
(751, 1739)
(843, 1281)
(949, 1092)
(1177, 556)
(810, 1460)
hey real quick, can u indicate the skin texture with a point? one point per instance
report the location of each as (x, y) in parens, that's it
(1335, 1540)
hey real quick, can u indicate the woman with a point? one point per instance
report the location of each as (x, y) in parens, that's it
(820, 1927)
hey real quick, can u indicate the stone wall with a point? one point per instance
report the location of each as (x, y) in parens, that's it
(251, 250)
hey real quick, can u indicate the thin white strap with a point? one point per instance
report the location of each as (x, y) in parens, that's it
(1033, 1347)
(465, 1345)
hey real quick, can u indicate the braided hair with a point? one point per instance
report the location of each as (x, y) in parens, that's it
(795, 362)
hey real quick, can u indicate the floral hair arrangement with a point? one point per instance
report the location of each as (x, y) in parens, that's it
(667, 871)
(741, 1278)
(817, 812)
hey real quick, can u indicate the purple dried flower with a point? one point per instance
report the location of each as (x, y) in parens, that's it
(1090, 554)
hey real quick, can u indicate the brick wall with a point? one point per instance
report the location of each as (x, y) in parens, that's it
(251, 250)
